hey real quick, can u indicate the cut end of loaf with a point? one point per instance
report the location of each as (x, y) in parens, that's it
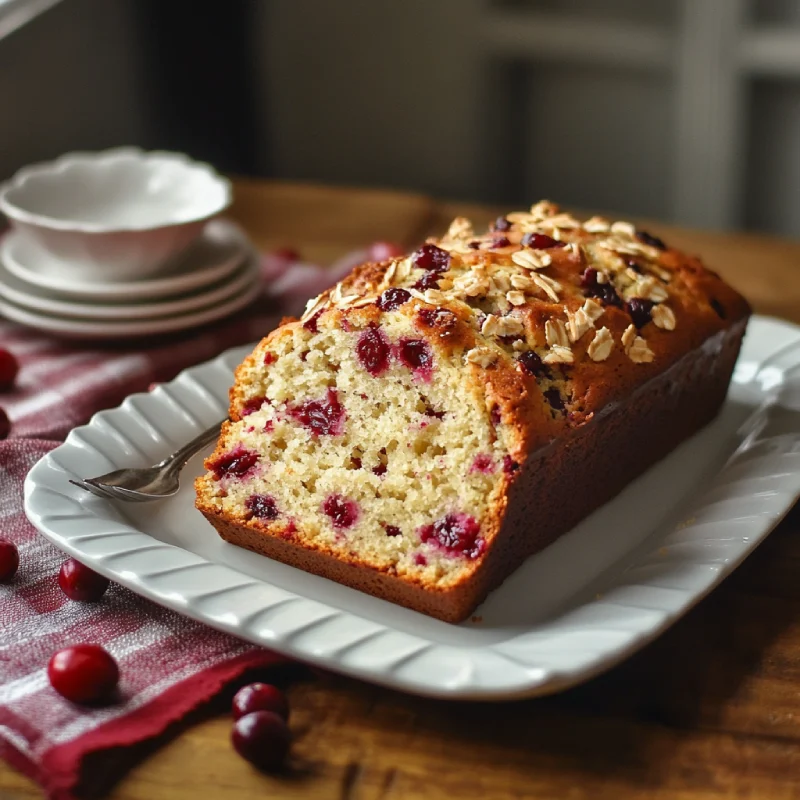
(376, 440)
(362, 435)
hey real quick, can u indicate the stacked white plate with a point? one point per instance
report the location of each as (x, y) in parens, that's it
(216, 276)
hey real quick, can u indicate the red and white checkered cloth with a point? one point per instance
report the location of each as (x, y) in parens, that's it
(169, 665)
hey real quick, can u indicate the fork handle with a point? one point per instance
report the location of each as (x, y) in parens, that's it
(178, 459)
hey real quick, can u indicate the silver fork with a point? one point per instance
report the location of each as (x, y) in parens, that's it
(144, 484)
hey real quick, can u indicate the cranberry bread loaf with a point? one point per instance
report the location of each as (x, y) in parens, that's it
(433, 420)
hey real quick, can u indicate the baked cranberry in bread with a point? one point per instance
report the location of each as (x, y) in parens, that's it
(433, 420)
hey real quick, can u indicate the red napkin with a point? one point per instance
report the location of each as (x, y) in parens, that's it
(169, 665)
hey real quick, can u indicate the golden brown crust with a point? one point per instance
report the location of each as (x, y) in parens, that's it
(452, 604)
(557, 487)
(631, 360)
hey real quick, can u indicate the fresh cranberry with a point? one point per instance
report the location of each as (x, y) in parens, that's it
(237, 463)
(9, 560)
(269, 426)
(495, 416)
(251, 405)
(392, 530)
(269, 358)
(458, 534)
(501, 224)
(540, 241)
(589, 278)
(420, 560)
(509, 465)
(356, 462)
(431, 257)
(416, 355)
(262, 738)
(311, 324)
(78, 582)
(502, 241)
(9, 367)
(602, 291)
(5, 424)
(715, 304)
(393, 298)
(483, 463)
(343, 512)
(373, 351)
(261, 506)
(380, 469)
(640, 309)
(85, 673)
(653, 241)
(430, 280)
(553, 397)
(532, 363)
(324, 416)
(260, 697)
(287, 254)
(431, 317)
(383, 251)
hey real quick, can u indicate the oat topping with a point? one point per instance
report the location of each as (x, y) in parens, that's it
(472, 284)
(501, 326)
(628, 337)
(522, 267)
(314, 305)
(648, 288)
(593, 309)
(543, 209)
(559, 355)
(562, 221)
(639, 352)
(625, 228)
(578, 323)
(597, 225)
(636, 348)
(523, 283)
(555, 332)
(482, 356)
(403, 270)
(549, 286)
(530, 259)
(460, 228)
(663, 317)
(601, 346)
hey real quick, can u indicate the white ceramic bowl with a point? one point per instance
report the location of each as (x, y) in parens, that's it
(117, 215)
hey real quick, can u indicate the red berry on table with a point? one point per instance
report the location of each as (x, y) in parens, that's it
(85, 673)
(9, 367)
(9, 560)
(78, 582)
(383, 251)
(5, 424)
(260, 697)
(262, 738)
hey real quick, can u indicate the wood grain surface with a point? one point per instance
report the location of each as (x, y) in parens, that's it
(710, 710)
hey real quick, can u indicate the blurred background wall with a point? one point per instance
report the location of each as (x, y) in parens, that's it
(686, 110)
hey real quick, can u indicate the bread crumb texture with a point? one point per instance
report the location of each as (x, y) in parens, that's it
(385, 426)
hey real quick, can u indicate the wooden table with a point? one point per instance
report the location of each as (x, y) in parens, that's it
(710, 710)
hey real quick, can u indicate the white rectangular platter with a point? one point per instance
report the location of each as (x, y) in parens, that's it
(588, 601)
